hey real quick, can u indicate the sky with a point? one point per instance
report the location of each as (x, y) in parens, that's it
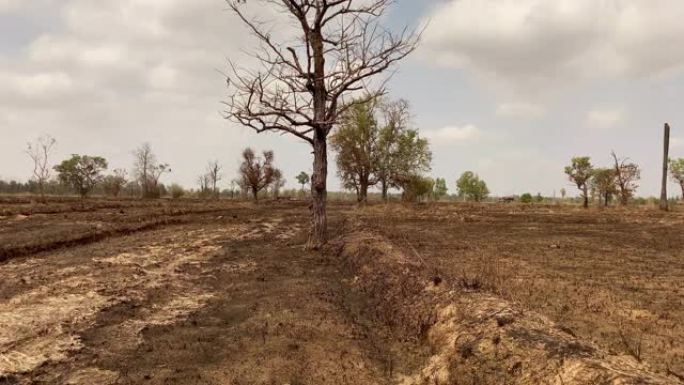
(508, 89)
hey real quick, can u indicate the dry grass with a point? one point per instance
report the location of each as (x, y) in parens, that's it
(476, 338)
(600, 274)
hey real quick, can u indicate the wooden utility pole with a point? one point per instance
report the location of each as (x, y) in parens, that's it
(666, 150)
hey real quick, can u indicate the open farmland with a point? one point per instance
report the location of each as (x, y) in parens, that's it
(193, 292)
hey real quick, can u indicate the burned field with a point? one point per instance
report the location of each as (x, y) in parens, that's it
(614, 277)
(128, 292)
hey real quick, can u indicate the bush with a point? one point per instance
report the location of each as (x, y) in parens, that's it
(177, 191)
(526, 198)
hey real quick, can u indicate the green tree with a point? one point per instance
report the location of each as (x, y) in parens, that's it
(526, 198)
(356, 142)
(417, 187)
(440, 189)
(402, 153)
(677, 172)
(82, 173)
(303, 178)
(603, 181)
(471, 187)
(579, 172)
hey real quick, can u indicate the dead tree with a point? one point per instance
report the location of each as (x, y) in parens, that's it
(148, 170)
(39, 152)
(257, 173)
(305, 85)
(214, 174)
(626, 176)
(666, 159)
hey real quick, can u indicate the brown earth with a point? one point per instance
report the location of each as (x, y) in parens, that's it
(128, 292)
(613, 277)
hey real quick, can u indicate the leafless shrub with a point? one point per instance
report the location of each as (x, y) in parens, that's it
(632, 345)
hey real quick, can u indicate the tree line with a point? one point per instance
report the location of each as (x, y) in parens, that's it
(619, 181)
(84, 174)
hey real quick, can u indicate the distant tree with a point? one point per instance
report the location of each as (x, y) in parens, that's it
(417, 187)
(303, 179)
(132, 189)
(579, 172)
(257, 173)
(161, 190)
(148, 171)
(234, 188)
(677, 172)
(355, 142)
(214, 174)
(204, 182)
(82, 173)
(402, 153)
(440, 189)
(563, 193)
(471, 187)
(539, 198)
(177, 191)
(526, 198)
(278, 183)
(626, 176)
(604, 182)
(113, 184)
(39, 151)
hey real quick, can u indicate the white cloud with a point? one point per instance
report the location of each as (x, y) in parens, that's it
(112, 74)
(454, 134)
(520, 110)
(604, 118)
(533, 46)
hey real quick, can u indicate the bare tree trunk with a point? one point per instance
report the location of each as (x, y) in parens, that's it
(682, 187)
(586, 198)
(318, 235)
(363, 192)
(666, 151)
(255, 194)
(384, 190)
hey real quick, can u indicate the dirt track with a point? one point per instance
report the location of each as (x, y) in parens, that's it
(227, 296)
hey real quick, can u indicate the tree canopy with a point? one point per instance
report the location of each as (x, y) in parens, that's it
(471, 187)
(579, 172)
(82, 173)
(604, 182)
(356, 144)
(677, 172)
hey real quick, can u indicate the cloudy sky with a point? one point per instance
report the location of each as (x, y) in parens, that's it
(510, 89)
